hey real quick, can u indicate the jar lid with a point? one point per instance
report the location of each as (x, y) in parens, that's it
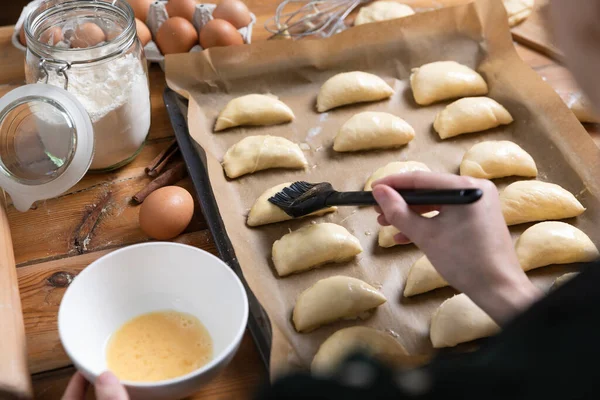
(46, 143)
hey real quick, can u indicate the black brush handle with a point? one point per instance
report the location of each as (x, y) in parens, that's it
(413, 197)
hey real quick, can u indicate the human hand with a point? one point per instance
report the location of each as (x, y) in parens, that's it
(469, 245)
(107, 387)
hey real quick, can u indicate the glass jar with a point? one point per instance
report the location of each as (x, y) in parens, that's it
(83, 108)
(110, 79)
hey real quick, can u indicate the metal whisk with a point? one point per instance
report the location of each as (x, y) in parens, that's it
(311, 17)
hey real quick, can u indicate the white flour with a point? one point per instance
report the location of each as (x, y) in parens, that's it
(117, 99)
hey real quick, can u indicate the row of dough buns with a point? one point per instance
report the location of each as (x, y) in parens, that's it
(265, 109)
(364, 131)
(469, 114)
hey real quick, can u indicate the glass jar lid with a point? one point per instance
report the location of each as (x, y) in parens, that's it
(46, 143)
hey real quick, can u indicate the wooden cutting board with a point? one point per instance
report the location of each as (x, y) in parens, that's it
(534, 32)
(14, 375)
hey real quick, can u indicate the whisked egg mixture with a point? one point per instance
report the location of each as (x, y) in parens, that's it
(158, 346)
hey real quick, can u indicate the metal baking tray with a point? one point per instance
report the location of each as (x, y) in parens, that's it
(195, 160)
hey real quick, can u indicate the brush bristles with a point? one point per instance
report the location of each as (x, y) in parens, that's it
(302, 198)
(289, 194)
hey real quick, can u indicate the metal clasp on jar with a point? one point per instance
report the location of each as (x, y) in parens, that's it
(60, 71)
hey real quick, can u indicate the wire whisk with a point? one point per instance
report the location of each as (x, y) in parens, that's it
(322, 18)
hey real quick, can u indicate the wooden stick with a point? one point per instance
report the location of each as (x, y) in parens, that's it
(161, 160)
(15, 381)
(173, 174)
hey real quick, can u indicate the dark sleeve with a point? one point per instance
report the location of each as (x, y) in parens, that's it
(548, 352)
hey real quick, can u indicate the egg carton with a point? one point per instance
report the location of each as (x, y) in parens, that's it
(157, 15)
(203, 14)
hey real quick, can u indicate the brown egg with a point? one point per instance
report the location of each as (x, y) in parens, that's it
(143, 32)
(218, 33)
(176, 35)
(140, 8)
(22, 38)
(234, 12)
(166, 212)
(181, 8)
(87, 34)
(52, 36)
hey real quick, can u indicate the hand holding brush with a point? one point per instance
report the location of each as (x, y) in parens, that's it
(303, 198)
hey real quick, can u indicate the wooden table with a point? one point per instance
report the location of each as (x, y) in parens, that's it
(59, 238)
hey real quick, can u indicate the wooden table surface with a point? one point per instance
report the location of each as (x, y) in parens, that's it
(60, 237)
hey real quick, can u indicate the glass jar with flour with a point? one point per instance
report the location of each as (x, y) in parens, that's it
(87, 102)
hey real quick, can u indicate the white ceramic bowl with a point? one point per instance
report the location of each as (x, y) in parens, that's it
(150, 277)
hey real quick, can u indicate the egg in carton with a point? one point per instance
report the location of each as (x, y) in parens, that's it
(158, 14)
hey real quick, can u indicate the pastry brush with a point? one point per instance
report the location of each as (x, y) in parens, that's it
(303, 198)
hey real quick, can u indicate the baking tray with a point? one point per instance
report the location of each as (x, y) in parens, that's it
(195, 160)
(475, 35)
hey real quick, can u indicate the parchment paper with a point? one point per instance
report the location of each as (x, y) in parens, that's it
(476, 35)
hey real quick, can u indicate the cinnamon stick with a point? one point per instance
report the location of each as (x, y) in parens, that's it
(162, 159)
(173, 174)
